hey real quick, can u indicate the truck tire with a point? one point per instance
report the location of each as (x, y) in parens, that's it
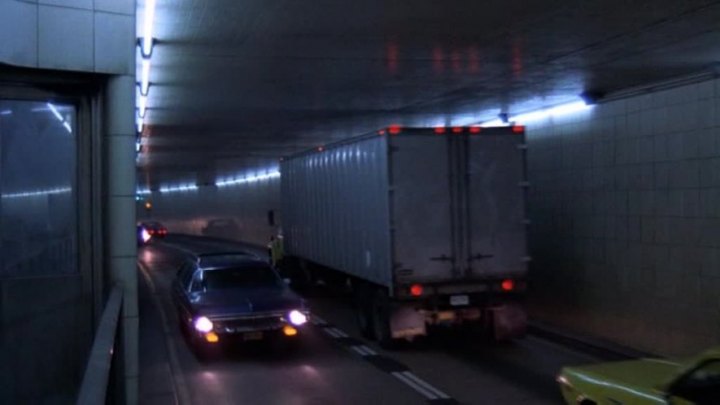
(381, 319)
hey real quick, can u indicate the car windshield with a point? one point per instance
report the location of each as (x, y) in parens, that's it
(242, 277)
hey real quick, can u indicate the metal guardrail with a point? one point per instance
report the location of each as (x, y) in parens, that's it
(94, 387)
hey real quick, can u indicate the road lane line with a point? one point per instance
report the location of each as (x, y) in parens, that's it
(427, 394)
(339, 332)
(425, 384)
(369, 351)
(331, 332)
(182, 395)
(357, 350)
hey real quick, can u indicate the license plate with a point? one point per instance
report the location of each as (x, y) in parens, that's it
(253, 336)
(457, 300)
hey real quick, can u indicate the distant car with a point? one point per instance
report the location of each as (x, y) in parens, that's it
(221, 227)
(646, 381)
(229, 298)
(155, 229)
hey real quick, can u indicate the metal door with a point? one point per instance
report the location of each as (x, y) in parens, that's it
(420, 208)
(496, 205)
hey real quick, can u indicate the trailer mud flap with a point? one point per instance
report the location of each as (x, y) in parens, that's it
(406, 322)
(508, 322)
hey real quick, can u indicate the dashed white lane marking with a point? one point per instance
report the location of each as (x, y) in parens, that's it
(424, 392)
(363, 350)
(425, 385)
(369, 351)
(182, 394)
(338, 332)
(331, 332)
(357, 350)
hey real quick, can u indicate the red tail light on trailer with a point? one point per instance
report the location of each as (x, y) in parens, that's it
(416, 290)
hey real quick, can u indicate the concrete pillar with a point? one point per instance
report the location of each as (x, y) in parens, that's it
(121, 243)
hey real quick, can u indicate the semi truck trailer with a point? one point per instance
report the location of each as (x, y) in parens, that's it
(426, 227)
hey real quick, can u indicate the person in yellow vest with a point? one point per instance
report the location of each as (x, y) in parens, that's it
(276, 250)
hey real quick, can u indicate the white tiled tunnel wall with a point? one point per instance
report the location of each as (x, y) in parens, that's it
(625, 204)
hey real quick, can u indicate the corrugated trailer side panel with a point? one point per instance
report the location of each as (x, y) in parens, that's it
(335, 208)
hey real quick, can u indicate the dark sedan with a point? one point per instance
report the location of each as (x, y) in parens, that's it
(235, 297)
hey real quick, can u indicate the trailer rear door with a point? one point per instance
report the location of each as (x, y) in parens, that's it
(496, 205)
(420, 208)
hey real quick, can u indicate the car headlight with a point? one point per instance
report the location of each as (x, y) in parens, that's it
(145, 236)
(297, 318)
(203, 324)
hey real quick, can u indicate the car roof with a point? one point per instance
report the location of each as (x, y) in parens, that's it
(150, 223)
(228, 259)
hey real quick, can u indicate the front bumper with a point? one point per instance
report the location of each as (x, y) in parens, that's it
(251, 328)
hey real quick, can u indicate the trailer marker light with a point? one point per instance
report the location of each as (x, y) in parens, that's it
(381, 132)
(518, 129)
(439, 130)
(416, 290)
(475, 130)
(457, 130)
(507, 285)
(394, 129)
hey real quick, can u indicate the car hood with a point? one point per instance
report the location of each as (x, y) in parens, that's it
(647, 375)
(246, 301)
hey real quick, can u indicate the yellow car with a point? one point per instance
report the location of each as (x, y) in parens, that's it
(646, 381)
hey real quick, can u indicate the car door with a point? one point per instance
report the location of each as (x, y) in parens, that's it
(700, 386)
(181, 286)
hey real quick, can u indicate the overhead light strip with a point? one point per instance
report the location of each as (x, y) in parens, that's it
(180, 188)
(543, 113)
(248, 179)
(38, 193)
(147, 40)
(146, 44)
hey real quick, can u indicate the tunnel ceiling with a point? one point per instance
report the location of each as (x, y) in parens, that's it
(235, 84)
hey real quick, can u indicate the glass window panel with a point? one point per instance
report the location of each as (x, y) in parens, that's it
(38, 204)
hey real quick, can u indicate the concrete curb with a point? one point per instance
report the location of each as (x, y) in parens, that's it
(599, 347)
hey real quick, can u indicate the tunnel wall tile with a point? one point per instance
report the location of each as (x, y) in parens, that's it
(626, 228)
(18, 31)
(126, 7)
(65, 38)
(116, 54)
(73, 35)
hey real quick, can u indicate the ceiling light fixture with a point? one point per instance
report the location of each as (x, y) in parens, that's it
(143, 106)
(557, 111)
(145, 77)
(52, 191)
(147, 40)
(248, 179)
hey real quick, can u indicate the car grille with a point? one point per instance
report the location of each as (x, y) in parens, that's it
(249, 324)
